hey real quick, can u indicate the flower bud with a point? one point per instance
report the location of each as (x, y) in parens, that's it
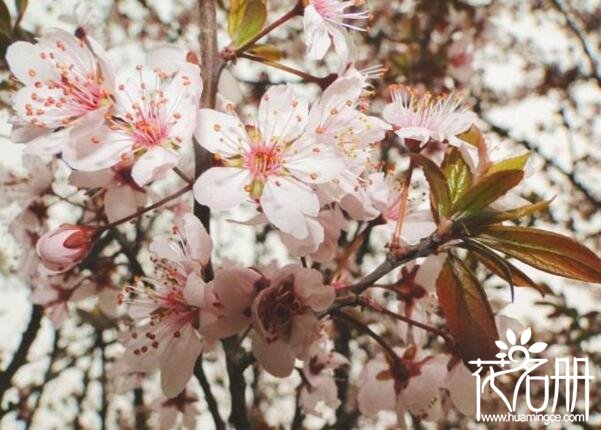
(63, 248)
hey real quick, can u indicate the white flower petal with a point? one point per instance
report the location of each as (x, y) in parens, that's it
(287, 202)
(175, 375)
(221, 133)
(222, 187)
(282, 115)
(154, 164)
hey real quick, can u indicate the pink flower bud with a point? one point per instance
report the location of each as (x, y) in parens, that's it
(63, 248)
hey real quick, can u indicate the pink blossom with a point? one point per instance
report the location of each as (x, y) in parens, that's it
(184, 404)
(273, 163)
(418, 221)
(154, 115)
(321, 248)
(413, 385)
(413, 302)
(380, 195)
(187, 250)
(166, 316)
(169, 313)
(235, 289)
(462, 388)
(337, 120)
(429, 270)
(284, 317)
(122, 196)
(61, 249)
(67, 82)
(367, 201)
(123, 377)
(460, 58)
(27, 229)
(26, 189)
(366, 75)
(325, 22)
(319, 385)
(56, 292)
(423, 118)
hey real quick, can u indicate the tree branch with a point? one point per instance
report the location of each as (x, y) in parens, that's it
(581, 38)
(209, 397)
(424, 248)
(20, 356)
(211, 67)
(235, 370)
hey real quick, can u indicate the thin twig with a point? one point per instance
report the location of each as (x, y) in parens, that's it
(147, 208)
(365, 329)
(574, 28)
(182, 175)
(209, 397)
(379, 308)
(322, 82)
(403, 199)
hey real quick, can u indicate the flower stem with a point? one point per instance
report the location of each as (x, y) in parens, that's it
(364, 328)
(355, 244)
(379, 308)
(395, 244)
(146, 209)
(297, 10)
(322, 82)
(182, 175)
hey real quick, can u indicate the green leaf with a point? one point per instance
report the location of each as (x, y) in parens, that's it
(490, 188)
(495, 217)
(246, 20)
(439, 188)
(544, 250)
(467, 311)
(473, 136)
(458, 173)
(267, 51)
(514, 163)
(5, 21)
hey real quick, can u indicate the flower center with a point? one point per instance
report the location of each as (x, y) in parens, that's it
(277, 308)
(263, 161)
(148, 132)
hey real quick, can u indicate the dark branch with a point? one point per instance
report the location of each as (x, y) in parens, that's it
(20, 357)
(209, 397)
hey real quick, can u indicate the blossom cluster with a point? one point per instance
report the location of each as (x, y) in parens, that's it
(308, 169)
